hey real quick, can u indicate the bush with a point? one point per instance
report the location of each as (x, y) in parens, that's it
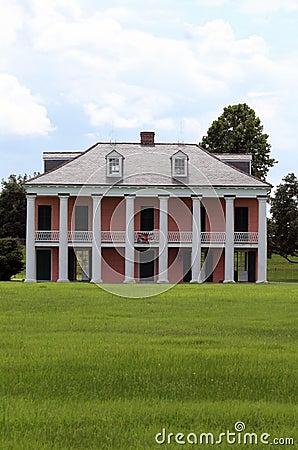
(11, 258)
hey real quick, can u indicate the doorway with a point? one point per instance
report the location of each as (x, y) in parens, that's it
(186, 266)
(79, 264)
(146, 265)
(244, 266)
(43, 265)
(147, 218)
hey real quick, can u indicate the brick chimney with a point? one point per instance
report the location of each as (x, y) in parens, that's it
(147, 137)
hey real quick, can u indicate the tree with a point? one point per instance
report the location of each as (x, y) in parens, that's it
(11, 258)
(283, 227)
(13, 207)
(239, 130)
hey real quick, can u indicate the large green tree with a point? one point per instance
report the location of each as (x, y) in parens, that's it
(11, 258)
(13, 207)
(283, 225)
(239, 130)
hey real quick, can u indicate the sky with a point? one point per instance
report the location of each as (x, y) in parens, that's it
(77, 72)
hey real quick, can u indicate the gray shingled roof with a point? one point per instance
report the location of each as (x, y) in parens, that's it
(147, 166)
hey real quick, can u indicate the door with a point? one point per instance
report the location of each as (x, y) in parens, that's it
(251, 267)
(187, 266)
(81, 218)
(147, 218)
(146, 265)
(44, 217)
(72, 265)
(241, 218)
(43, 265)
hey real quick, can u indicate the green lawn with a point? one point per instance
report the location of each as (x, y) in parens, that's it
(279, 269)
(83, 369)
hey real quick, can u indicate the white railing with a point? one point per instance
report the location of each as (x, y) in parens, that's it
(246, 237)
(146, 237)
(149, 237)
(213, 237)
(179, 236)
(115, 237)
(47, 236)
(80, 236)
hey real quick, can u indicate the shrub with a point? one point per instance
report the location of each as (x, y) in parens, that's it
(11, 258)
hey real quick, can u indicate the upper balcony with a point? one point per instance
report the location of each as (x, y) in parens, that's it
(143, 238)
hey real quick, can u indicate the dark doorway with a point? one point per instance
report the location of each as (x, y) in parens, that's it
(209, 266)
(203, 218)
(72, 265)
(241, 218)
(44, 217)
(43, 265)
(147, 218)
(146, 265)
(186, 266)
(251, 267)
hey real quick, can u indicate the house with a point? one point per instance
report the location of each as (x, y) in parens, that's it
(146, 211)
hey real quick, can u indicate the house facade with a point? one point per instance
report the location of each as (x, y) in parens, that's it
(146, 212)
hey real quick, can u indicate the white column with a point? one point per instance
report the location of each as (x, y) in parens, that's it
(30, 239)
(196, 240)
(96, 239)
(262, 241)
(129, 239)
(63, 238)
(163, 239)
(229, 247)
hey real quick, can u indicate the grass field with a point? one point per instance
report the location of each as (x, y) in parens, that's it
(279, 269)
(82, 369)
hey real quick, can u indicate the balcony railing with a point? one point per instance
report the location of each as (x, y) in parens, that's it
(149, 237)
(213, 237)
(248, 237)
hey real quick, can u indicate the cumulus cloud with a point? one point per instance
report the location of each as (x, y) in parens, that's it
(21, 112)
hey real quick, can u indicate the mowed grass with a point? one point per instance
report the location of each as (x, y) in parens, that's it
(83, 369)
(279, 269)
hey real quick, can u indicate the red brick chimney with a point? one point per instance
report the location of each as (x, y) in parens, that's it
(147, 137)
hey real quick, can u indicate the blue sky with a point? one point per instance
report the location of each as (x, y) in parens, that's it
(75, 72)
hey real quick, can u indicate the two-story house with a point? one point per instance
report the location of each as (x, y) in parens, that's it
(146, 211)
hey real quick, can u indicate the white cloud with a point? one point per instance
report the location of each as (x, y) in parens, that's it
(11, 20)
(20, 112)
(211, 2)
(267, 6)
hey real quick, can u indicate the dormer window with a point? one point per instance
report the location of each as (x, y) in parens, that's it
(179, 164)
(114, 164)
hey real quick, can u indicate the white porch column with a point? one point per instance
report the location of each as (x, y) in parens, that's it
(30, 239)
(63, 238)
(196, 240)
(163, 239)
(96, 239)
(262, 241)
(129, 239)
(229, 247)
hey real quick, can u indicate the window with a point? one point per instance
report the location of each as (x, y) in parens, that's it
(114, 164)
(179, 164)
(44, 217)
